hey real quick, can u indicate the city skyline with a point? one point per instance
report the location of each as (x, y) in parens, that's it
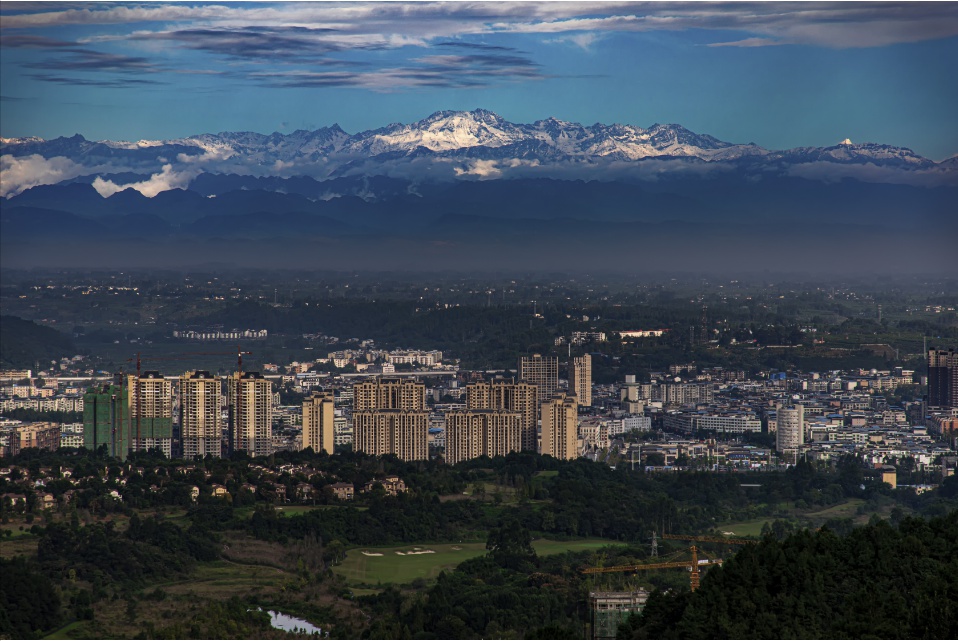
(781, 75)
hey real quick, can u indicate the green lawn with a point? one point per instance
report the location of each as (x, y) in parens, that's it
(745, 528)
(403, 568)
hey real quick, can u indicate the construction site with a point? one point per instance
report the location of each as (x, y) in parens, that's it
(609, 609)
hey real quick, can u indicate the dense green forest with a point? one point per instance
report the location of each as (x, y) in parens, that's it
(877, 581)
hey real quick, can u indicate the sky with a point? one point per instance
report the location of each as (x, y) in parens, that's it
(781, 75)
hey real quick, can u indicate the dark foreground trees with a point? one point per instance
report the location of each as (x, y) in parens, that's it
(876, 582)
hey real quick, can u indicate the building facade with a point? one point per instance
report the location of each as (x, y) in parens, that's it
(560, 429)
(942, 378)
(319, 422)
(541, 371)
(390, 417)
(250, 414)
(580, 379)
(201, 431)
(507, 395)
(151, 413)
(43, 436)
(482, 432)
(790, 428)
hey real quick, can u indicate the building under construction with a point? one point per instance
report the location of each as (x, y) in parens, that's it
(611, 609)
(106, 418)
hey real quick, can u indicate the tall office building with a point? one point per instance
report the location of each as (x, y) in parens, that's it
(201, 430)
(942, 378)
(514, 397)
(790, 428)
(482, 432)
(580, 379)
(390, 417)
(541, 371)
(560, 427)
(151, 413)
(318, 422)
(250, 414)
(106, 418)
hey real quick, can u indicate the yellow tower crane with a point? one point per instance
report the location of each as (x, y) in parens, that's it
(694, 569)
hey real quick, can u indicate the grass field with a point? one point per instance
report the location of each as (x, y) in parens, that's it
(26, 545)
(746, 528)
(845, 510)
(359, 568)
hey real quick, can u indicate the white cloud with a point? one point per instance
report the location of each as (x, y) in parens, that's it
(164, 181)
(19, 174)
(831, 172)
(480, 168)
(394, 24)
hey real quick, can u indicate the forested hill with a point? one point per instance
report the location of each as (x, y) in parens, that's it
(876, 582)
(23, 343)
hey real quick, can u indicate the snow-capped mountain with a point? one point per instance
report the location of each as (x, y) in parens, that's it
(450, 144)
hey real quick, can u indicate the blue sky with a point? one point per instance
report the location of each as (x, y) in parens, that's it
(778, 74)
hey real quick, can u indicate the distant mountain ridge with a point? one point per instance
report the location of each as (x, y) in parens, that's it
(487, 145)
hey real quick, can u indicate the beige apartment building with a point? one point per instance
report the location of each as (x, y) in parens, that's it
(390, 417)
(151, 412)
(201, 431)
(560, 419)
(250, 413)
(580, 379)
(318, 422)
(473, 433)
(514, 397)
(541, 371)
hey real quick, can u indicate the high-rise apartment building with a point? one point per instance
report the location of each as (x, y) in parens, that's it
(473, 433)
(389, 394)
(790, 428)
(201, 431)
(390, 417)
(106, 418)
(541, 371)
(319, 422)
(514, 397)
(560, 427)
(942, 378)
(403, 433)
(151, 413)
(580, 379)
(250, 414)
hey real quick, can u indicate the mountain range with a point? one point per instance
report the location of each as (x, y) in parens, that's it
(461, 188)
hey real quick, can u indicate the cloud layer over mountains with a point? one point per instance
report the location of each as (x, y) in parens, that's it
(475, 145)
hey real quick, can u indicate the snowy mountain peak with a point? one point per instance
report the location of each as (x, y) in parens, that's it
(847, 141)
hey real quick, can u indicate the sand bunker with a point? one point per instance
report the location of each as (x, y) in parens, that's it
(416, 551)
(372, 553)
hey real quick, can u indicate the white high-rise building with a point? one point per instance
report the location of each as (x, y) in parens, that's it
(790, 432)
